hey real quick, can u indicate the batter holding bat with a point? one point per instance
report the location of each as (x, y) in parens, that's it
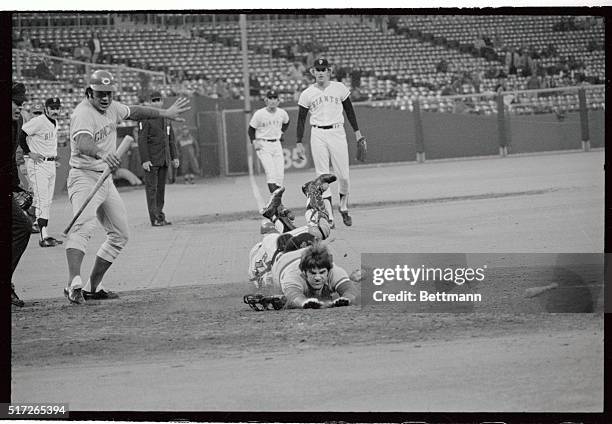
(326, 101)
(93, 146)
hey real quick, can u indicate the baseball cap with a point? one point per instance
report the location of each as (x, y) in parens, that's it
(18, 93)
(37, 109)
(155, 95)
(321, 64)
(53, 102)
(272, 94)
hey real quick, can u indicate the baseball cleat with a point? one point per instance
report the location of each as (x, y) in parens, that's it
(74, 295)
(49, 242)
(15, 299)
(346, 218)
(282, 211)
(270, 210)
(100, 295)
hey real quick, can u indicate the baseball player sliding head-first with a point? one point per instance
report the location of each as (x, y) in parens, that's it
(326, 101)
(38, 140)
(93, 146)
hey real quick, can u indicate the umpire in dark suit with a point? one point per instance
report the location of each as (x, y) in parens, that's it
(157, 152)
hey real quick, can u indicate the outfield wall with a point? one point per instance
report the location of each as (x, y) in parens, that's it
(391, 135)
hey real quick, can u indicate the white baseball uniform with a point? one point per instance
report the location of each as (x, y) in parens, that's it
(328, 143)
(41, 139)
(107, 206)
(267, 135)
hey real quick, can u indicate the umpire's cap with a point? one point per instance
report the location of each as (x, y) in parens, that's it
(53, 102)
(18, 93)
(102, 80)
(272, 94)
(321, 64)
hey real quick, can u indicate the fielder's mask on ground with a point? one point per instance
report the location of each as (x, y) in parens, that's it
(102, 80)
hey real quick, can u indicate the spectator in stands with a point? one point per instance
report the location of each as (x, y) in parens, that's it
(534, 82)
(512, 59)
(478, 43)
(549, 51)
(442, 66)
(95, 46)
(24, 41)
(393, 24)
(254, 87)
(42, 71)
(498, 41)
(221, 88)
(82, 53)
(356, 77)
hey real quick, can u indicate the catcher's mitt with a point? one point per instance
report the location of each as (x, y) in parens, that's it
(362, 149)
(259, 302)
(24, 199)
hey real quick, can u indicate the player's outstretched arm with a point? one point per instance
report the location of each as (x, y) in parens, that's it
(140, 113)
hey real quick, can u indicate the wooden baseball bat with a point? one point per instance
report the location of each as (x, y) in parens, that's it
(536, 291)
(123, 147)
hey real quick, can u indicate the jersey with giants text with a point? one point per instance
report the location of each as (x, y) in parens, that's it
(325, 105)
(268, 124)
(101, 126)
(42, 135)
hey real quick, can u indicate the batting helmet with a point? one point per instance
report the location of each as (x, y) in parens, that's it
(102, 80)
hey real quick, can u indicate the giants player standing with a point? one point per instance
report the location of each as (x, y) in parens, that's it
(326, 100)
(265, 132)
(38, 140)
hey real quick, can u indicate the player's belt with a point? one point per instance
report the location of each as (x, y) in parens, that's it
(327, 127)
(51, 159)
(270, 139)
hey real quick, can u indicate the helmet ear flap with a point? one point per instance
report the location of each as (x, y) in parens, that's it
(312, 72)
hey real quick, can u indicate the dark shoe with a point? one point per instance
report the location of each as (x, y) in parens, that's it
(49, 242)
(15, 300)
(164, 222)
(157, 224)
(74, 295)
(346, 218)
(100, 295)
(270, 210)
(283, 212)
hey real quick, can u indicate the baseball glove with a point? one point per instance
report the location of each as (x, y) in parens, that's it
(312, 303)
(362, 149)
(24, 199)
(259, 302)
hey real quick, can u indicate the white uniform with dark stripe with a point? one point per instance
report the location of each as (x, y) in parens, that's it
(106, 206)
(268, 129)
(329, 144)
(41, 139)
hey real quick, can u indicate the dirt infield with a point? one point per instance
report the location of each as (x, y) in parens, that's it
(180, 337)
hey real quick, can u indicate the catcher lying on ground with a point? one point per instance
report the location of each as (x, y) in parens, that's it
(295, 267)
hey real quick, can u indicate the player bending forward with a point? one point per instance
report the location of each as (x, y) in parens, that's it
(295, 266)
(326, 100)
(93, 146)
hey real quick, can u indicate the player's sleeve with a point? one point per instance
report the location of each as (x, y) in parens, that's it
(251, 133)
(254, 120)
(80, 125)
(123, 111)
(285, 117)
(30, 127)
(346, 92)
(23, 142)
(303, 100)
(302, 113)
(342, 284)
(292, 288)
(347, 105)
